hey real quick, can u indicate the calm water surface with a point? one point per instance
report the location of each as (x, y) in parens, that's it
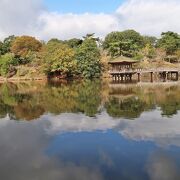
(89, 131)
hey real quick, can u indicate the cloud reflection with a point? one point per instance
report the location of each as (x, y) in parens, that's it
(22, 155)
(161, 166)
(150, 126)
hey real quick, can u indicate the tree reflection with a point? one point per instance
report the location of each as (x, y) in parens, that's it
(130, 102)
(28, 101)
(128, 108)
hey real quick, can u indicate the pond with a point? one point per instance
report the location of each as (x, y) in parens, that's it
(90, 130)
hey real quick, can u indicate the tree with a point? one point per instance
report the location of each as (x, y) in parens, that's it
(121, 48)
(169, 41)
(134, 37)
(149, 51)
(88, 59)
(7, 63)
(150, 40)
(24, 47)
(91, 36)
(178, 54)
(59, 58)
(55, 40)
(1, 45)
(126, 43)
(74, 43)
(6, 45)
(112, 37)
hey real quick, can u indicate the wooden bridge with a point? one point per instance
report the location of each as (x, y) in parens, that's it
(127, 74)
(122, 69)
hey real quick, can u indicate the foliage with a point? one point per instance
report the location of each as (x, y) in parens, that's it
(129, 108)
(149, 51)
(59, 57)
(126, 43)
(7, 62)
(150, 40)
(83, 57)
(89, 97)
(170, 41)
(36, 99)
(88, 59)
(74, 43)
(25, 47)
(54, 40)
(6, 45)
(178, 54)
(1, 45)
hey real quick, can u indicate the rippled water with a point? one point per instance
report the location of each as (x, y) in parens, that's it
(89, 131)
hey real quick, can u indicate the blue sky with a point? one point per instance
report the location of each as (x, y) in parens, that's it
(82, 6)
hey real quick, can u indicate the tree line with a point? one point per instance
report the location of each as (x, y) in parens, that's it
(82, 57)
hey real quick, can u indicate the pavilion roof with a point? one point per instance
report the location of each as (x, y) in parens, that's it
(122, 59)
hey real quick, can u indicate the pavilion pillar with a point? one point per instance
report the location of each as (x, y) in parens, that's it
(165, 76)
(139, 77)
(177, 76)
(115, 78)
(130, 76)
(121, 77)
(152, 79)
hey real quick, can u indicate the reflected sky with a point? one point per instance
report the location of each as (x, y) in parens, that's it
(85, 142)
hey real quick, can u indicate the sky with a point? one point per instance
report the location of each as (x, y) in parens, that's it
(83, 6)
(66, 19)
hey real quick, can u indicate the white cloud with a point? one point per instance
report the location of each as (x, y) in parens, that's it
(150, 17)
(19, 17)
(30, 17)
(67, 26)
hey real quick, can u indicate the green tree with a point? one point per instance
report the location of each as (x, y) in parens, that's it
(120, 48)
(55, 40)
(1, 45)
(169, 41)
(126, 43)
(6, 45)
(151, 40)
(74, 43)
(7, 63)
(88, 59)
(112, 37)
(59, 58)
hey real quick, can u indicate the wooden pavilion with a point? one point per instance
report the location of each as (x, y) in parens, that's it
(121, 64)
(122, 68)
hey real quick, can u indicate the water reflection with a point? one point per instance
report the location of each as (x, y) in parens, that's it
(162, 166)
(30, 101)
(89, 130)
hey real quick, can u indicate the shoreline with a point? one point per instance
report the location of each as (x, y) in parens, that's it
(46, 79)
(22, 79)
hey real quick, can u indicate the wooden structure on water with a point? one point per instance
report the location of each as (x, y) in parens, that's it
(122, 69)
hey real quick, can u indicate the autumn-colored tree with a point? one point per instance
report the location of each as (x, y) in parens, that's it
(23, 47)
(149, 51)
(59, 58)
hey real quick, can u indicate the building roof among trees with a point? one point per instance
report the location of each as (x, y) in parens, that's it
(122, 60)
